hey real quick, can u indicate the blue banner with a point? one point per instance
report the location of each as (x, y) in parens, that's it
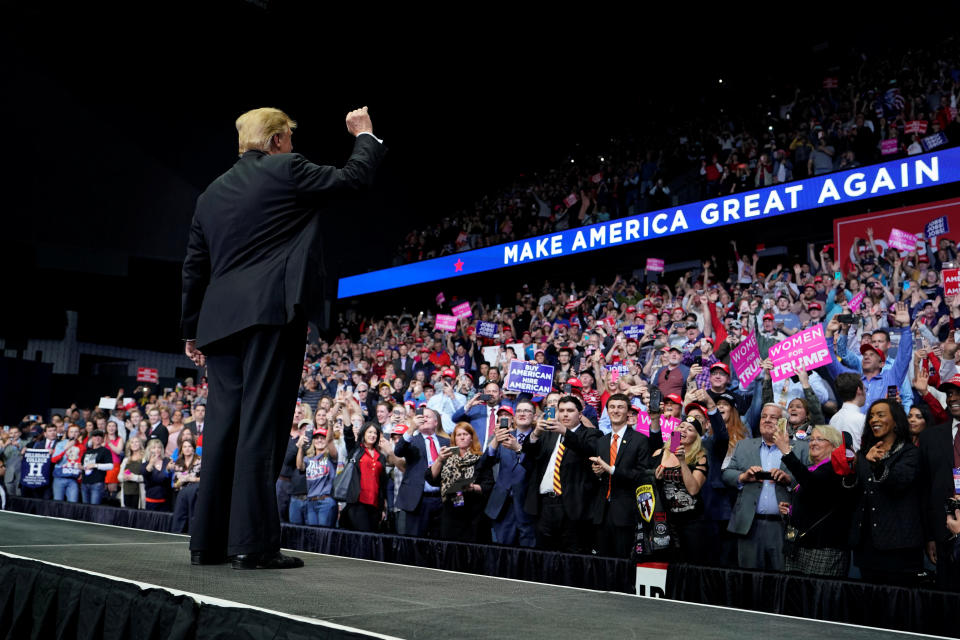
(486, 329)
(633, 331)
(529, 377)
(897, 176)
(937, 227)
(35, 468)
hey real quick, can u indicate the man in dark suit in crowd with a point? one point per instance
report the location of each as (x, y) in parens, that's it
(622, 463)
(250, 282)
(419, 500)
(481, 412)
(511, 524)
(157, 430)
(563, 486)
(404, 363)
(940, 460)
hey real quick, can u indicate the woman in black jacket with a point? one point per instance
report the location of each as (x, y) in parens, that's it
(820, 513)
(368, 511)
(886, 533)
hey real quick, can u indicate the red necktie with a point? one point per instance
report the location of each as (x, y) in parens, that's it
(491, 424)
(433, 448)
(612, 461)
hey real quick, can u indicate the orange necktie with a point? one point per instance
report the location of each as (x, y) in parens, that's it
(612, 461)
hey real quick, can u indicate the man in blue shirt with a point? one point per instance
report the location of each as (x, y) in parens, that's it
(875, 378)
(880, 339)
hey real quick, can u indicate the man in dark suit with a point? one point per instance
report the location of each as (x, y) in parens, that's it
(563, 486)
(481, 412)
(419, 500)
(939, 461)
(403, 364)
(511, 524)
(157, 430)
(249, 286)
(622, 463)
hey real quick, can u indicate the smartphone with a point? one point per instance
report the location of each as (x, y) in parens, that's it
(674, 441)
(504, 423)
(485, 397)
(846, 318)
(419, 411)
(698, 360)
(763, 475)
(550, 413)
(655, 399)
(892, 392)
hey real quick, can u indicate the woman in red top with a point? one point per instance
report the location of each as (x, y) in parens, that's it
(114, 443)
(366, 513)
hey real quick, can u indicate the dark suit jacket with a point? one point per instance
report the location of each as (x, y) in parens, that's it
(161, 434)
(407, 370)
(253, 256)
(936, 469)
(577, 479)
(890, 493)
(630, 470)
(512, 479)
(415, 453)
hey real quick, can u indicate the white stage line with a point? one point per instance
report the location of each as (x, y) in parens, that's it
(85, 544)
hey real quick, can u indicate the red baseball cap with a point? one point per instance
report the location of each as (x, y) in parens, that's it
(380, 354)
(710, 340)
(448, 373)
(505, 407)
(952, 382)
(575, 382)
(869, 347)
(695, 405)
(768, 316)
(674, 398)
(400, 429)
(319, 431)
(815, 305)
(631, 309)
(720, 365)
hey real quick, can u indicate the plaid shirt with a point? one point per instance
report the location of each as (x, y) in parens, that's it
(703, 378)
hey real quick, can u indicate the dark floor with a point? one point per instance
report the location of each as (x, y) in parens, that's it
(399, 600)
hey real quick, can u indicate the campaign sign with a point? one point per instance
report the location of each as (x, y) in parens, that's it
(617, 370)
(888, 147)
(145, 374)
(441, 298)
(652, 579)
(667, 425)
(634, 331)
(462, 310)
(445, 322)
(746, 360)
(951, 281)
(35, 468)
(655, 264)
(486, 329)
(807, 348)
(933, 141)
(570, 200)
(529, 377)
(902, 240)
(643, 423)
(937, 227)
(857, 300)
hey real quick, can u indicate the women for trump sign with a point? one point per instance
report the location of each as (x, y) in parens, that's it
(807, 349)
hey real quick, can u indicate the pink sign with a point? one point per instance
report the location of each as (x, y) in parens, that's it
(746, 360)
(951, 281)
(462, 310)
(902, 240)
(667, 425)
(570, 200)
(857, 300)
(654, 264)
(440, 298)
(445, 322)
(888, 146)
(807, 348)
(643, 423)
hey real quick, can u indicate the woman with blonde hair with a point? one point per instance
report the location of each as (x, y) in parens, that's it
(156, 477)
(131, 475)
(680, 475)
(819, 517)
(465, 481)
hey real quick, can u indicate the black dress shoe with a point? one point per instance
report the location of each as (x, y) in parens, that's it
(265, 561)
(208, 557)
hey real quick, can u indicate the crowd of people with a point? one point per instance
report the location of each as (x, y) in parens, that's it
(647, 444)
(879, 110)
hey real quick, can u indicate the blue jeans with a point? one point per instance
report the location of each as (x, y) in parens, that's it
(297, 512)
(322, 513)
(92, 493)
(66, 488)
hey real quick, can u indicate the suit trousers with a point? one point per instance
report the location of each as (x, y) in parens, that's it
(254, 377)
(762, 547)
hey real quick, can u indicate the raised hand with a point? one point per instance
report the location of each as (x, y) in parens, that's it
(358, 121)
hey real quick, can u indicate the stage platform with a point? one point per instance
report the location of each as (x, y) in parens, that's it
(334, 596)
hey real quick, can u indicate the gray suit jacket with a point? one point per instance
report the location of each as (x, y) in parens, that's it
(746, 455)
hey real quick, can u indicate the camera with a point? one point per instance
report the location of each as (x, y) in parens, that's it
(846, 318)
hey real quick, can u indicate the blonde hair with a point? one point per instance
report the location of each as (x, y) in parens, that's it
(257, 127)
(828, 433)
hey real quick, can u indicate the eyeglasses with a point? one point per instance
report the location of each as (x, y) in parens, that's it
(524, 411)
(819, 440)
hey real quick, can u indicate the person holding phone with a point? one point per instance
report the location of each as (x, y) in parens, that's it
(757, 472)
(419, 500)
(680, 470)
(465, 480)
(511, 524)
(481, 412)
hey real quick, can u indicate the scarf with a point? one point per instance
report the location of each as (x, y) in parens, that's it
(457, 473)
